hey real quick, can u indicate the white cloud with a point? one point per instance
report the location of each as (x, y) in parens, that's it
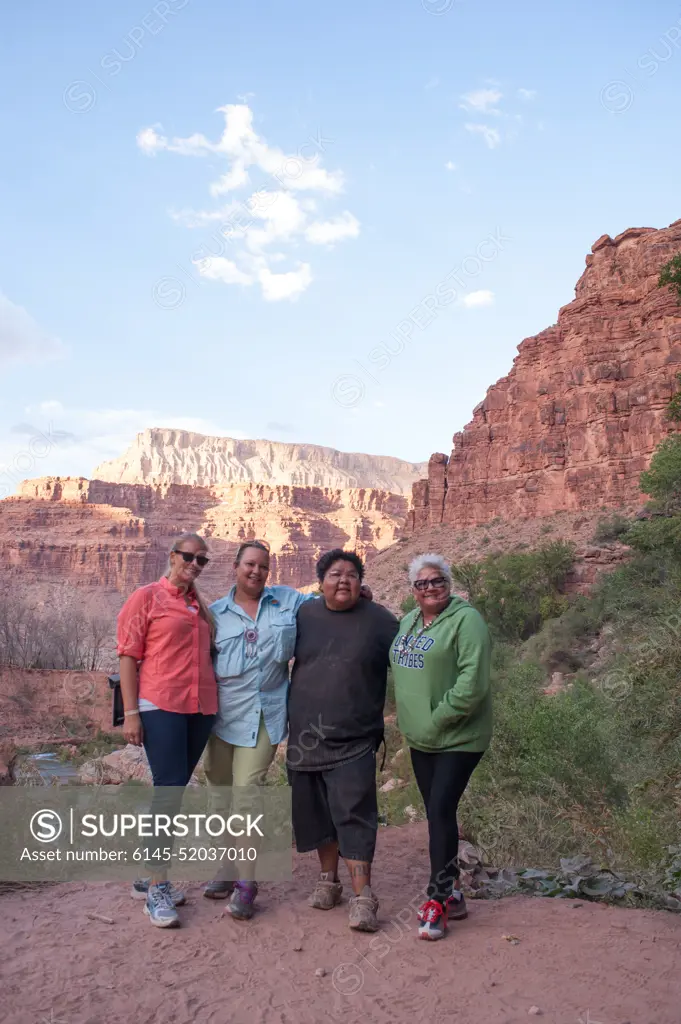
(49, 408)
(240, 144)
(477, 300)
(450, 166)
(22, 340)
(482, 101)
(527, 94)
(327, 232)
(85, 438)
(217, 268)
(289, 285)
(490, 135)
(278, 216)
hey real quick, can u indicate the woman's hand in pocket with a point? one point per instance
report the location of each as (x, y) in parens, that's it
(132, 730)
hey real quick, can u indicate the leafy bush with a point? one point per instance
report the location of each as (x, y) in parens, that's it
(408, 604)
(661, 534)
(517, 592)
(670, 275)
(674, 406)
(662, 479)
(611, 529)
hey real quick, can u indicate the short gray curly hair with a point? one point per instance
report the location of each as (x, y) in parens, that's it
(429, 561)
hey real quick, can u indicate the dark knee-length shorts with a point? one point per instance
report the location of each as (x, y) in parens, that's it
(337, 805)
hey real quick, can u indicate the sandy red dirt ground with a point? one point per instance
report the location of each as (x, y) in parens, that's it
(590, 964)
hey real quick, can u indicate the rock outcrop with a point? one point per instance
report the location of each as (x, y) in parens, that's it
(578, 416)
(162, 457)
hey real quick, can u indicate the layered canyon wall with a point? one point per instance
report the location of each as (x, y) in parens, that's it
(577, 418)
(112, 533)
(115, 537)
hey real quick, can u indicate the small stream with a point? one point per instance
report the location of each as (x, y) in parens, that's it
(45, 768)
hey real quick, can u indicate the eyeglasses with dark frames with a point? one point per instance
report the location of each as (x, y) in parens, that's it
(436, 583)
(188, 557)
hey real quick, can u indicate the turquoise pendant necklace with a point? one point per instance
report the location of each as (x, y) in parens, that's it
(408, 644)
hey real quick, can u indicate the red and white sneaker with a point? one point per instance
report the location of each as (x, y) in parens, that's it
(433, 920)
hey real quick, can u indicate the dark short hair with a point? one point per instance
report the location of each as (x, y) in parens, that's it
(338, 555)
(251, 544)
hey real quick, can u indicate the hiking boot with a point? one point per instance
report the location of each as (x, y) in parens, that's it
(160, 907)
(433, 920)
(218, 889)
(363, 910)
(241, 901)
(456, 906)
(140, 888)
(327, 892)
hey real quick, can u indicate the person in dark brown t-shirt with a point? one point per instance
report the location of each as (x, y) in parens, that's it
(335, 710)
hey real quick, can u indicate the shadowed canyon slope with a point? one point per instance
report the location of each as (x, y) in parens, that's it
(578, 416)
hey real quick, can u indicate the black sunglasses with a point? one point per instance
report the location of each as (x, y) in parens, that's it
(201, 560)
(436, 583)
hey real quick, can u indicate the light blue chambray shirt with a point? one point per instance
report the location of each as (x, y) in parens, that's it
(247, 684)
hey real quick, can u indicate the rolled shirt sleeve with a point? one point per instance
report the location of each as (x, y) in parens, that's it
(132, 625)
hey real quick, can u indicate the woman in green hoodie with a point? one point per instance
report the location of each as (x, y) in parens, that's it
(440, 662)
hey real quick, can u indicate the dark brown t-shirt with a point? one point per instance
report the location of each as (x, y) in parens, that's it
(337, 693)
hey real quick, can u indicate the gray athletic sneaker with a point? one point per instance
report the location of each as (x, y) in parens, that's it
(160, 907)
(218, 889)
(241, 901)
(363, 910)
(456, 905)
(327, 892)
(140, 888)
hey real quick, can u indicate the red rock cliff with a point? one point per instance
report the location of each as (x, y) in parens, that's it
(115, 537)
(578, 416)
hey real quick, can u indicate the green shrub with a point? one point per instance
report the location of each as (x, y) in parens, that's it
(670, 275)
(611, 529)
(516, 592)
(662, 479)
(660, 534)
(408, 604)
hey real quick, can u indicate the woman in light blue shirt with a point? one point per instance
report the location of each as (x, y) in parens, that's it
(255, 637)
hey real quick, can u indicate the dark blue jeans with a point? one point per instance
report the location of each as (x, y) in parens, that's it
(173, 744)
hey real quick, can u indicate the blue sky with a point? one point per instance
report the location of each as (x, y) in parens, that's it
(428, 176)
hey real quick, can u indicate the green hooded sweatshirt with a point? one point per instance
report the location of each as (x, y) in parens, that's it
(442, 685)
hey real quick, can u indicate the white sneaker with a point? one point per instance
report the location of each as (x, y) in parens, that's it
(160, 906)
(140, 888)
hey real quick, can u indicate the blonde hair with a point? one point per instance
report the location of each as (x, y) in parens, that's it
(203, 607)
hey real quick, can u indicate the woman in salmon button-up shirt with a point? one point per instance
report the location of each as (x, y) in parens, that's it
(169, 690)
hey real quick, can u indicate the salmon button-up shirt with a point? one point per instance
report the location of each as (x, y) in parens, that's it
(172, 641)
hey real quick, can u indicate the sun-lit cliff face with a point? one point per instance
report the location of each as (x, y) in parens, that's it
(161, 457)
(578, 416)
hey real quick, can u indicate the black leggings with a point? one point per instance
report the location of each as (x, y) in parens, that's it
(442, 779)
